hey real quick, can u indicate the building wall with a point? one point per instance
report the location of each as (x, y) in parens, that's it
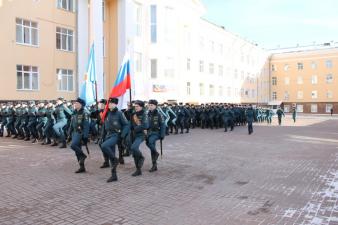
(298, 85)
(45, 56)
(183, 35)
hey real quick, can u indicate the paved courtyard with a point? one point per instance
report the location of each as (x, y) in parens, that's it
(278, 175)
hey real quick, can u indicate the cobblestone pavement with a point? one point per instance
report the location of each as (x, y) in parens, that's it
(279, 175)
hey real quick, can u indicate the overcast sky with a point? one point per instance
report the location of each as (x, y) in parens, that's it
(270, 23)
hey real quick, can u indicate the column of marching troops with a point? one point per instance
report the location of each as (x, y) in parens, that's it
(59, 122)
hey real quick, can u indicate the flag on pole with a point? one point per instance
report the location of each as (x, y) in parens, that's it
(88, 89)
(121, 85)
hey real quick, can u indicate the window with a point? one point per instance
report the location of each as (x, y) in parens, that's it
(220, 49)
(201, 89)
(169, 67)
(299, 94)
(314, 79)
(274, 80)
(236, 74)
(153, 68)
(253, 93)
(211, 90)
(229, 91)
(27, 77)
(65, 78)
(64, 39)
(300, 108)
(274, 95)
(169, 25)
(314, 94)
(211, 68)
(26, 32)
(212, 46)
(138, 25)
(286, 96)
(329, 78)
(328, 108)
(242, 92)
(138, 62)
(313, 65)
(329, 94)
(286, 67)
(103, 10)
(300, 66)
(153, 23)
(220, 70)
(299, 80)
(188, 63)
(103, 47)
(328, 64)
(287, 80)
(201, 67)
(220, 91)
(314, 108)
(66, 5)
(273, 67)
(201, 43)
(188, 88)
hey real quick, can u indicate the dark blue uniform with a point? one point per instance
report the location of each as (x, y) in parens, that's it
(114, 128)
(155, 132)
(79, 128)
(139, 126)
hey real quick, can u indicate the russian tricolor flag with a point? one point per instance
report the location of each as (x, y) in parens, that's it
(121, 85)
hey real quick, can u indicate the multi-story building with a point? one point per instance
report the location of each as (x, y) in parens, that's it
(179, 56)
(306, 77)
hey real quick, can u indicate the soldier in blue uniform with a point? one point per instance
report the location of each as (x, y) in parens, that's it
(48, 130)
(139, 126)
(41, 120)
(280, 113)
(31, 126)
(79, 128)
(250, 115)
(156, 131)
(61, 120)
(115, 127)
(10, 120)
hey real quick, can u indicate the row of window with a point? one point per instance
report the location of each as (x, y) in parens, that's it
(300, 80)
(300, 95)
(27, 78)
(300, 65)
(27, 33)
(314, 108)
(248, 93)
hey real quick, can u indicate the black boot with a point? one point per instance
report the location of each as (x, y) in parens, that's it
(138, 161)
(55, 143)
(154, 157)
(27, 138)
(113, 177)
(106, 161)
(82, 168)
(34, 140)
(64, 144)
(121, 160)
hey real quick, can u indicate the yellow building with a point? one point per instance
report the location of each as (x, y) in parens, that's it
(306, 78)
(38, 50)
(45, 45)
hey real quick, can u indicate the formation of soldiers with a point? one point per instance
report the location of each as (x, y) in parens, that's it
(59, 122)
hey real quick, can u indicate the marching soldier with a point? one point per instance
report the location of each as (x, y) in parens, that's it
(156, 131)
(115, 127)
(31, 126)
(139, 126)
(48, 130)
(250, 115)
(79, 128)
(280, 113)
(61, 121)
(41, 120)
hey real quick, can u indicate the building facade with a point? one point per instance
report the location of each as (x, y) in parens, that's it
(306, 78)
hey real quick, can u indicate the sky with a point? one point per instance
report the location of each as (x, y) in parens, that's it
(277, 23)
